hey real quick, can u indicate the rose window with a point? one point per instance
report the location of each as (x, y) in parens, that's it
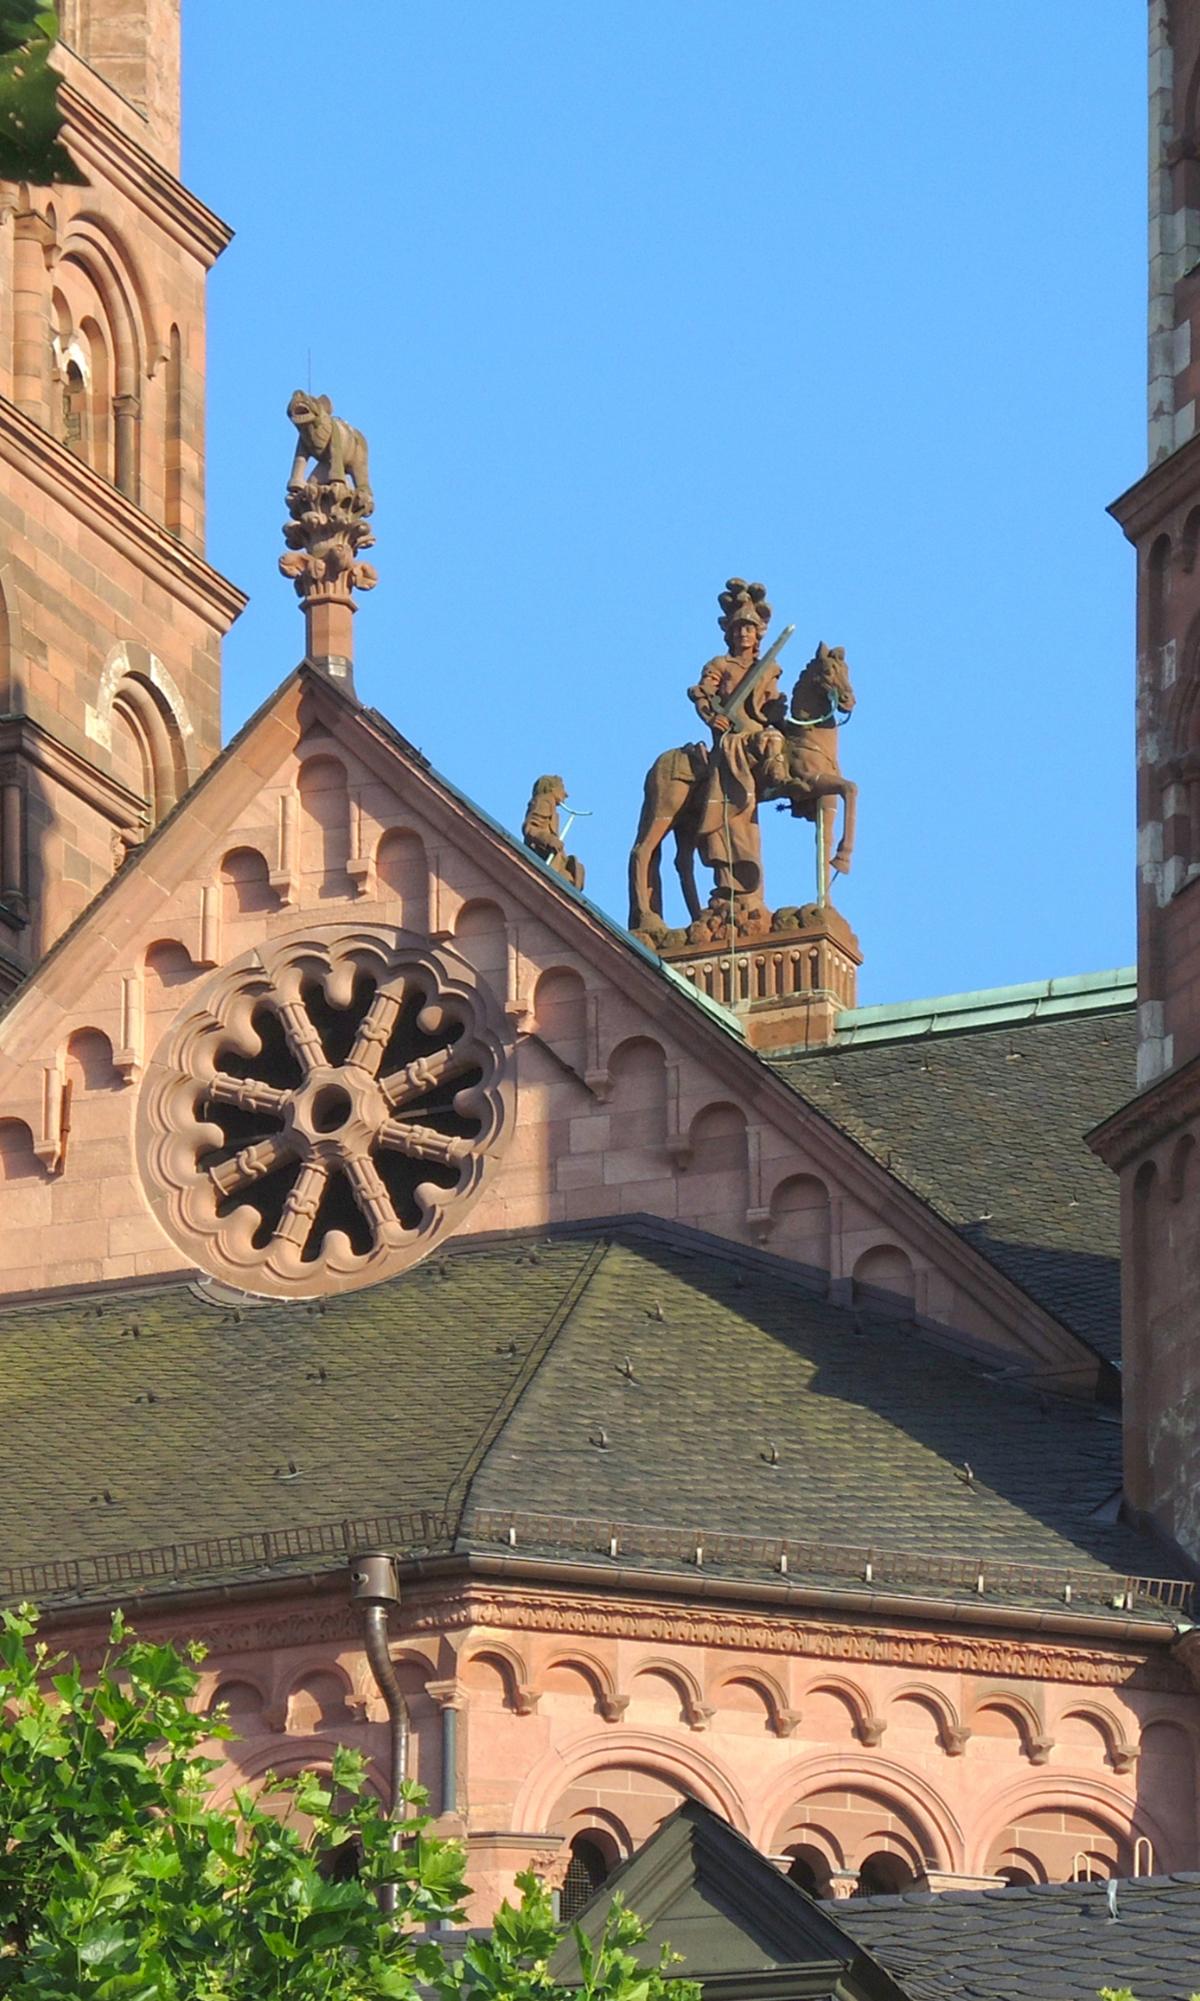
(326, 1109)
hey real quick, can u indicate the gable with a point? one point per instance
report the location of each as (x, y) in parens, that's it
(728, 1915)
(321, 831)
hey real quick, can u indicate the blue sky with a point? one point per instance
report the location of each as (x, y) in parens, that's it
(632, 297)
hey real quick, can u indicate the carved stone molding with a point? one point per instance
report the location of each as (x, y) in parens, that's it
(460, 1607)
(324, 1109)
(966, 1653)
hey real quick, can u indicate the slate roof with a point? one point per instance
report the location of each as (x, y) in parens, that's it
(1051, 1942)
(730, 1918)
(701, 1888)
(987, 1124)
(566, 1390)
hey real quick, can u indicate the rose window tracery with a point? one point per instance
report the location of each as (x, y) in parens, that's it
(325, 1109)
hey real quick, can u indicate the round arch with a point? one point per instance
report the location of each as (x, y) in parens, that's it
(771, 1690)
(1126, 1818)
(677, 1765)
(135, 680)
(881, 1778)
(589, 1665)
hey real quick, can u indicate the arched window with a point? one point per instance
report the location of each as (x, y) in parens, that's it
(883, 1875)
(586, 1871)
(75, 410)
(1016, 1878)
(810, 1869)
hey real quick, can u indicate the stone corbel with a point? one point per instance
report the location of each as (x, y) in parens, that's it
(1040, 1749)
(870, 1729)
(698, 1715)
(128, 1058)
(1123, 1756)
(525, 1698)
(359, 866)
(283, 878)
(955, 1738)
(785, 1722)
(612, 1707)
(275, 1715)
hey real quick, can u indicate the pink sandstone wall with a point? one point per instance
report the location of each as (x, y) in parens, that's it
(623, 1104)
(960, 1756)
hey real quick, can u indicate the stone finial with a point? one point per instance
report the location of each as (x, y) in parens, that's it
(329, 507)
(540, 829)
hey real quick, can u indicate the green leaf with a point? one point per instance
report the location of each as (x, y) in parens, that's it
(278, 1944)
(103, 1942)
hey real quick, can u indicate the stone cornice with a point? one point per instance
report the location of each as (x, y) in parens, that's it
(117, 520)
(1160, 1109)
(96, 141)
(327, 1619)
(998, 1655)
(1167, 485)
(71, 769)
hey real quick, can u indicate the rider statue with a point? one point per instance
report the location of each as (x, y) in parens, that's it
(763, 747)
(748, 760)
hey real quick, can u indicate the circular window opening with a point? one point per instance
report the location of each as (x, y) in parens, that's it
(324, 1110)
(331, 1108)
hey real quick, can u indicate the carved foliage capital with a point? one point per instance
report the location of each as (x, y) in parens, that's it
(325, 536)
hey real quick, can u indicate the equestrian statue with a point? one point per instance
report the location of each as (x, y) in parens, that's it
(762, 747)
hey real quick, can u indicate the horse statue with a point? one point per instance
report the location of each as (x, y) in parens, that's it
(672, 798)
(821, 697)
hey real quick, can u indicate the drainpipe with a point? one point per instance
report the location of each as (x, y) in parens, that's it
(374, 1586)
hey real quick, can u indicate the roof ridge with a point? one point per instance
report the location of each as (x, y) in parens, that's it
(1062, 997)
(458, 1494)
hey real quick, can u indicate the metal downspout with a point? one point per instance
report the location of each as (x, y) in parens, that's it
(374, 1586)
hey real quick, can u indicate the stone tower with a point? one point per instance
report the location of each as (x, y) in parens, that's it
(1153, 1141)
(110, 618)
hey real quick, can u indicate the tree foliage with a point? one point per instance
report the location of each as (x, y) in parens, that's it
(31, 147)
(119, 1881)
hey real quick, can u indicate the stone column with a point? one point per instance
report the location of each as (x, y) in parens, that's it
(450, 1697)
(327, 531)
(12, 845)
(127, 411)
(32, 239)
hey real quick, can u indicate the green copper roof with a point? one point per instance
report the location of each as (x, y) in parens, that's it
(1035, 1000)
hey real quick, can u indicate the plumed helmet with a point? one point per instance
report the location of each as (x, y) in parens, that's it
(743, 604)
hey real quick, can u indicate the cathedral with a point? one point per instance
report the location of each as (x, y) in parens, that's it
(722, 1398)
